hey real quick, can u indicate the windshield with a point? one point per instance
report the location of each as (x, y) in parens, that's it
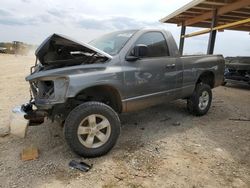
(112, 43)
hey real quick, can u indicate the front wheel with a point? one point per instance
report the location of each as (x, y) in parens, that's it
(92, 129)
(200, 101)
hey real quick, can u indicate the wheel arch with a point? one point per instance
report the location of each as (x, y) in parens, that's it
(110, 94)
(206, 77)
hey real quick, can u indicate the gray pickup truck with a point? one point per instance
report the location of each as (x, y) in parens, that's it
(86, 86)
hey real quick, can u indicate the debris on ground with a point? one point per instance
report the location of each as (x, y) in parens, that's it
(176, 123)
(30, 153)
(238, 119)
(18, 125)
(82, 166)
(165, 119)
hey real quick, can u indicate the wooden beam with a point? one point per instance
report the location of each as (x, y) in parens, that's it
(213, 3)
(230, 25)
(204, 31)
(230, 16)
(201, 8)
(181, 10)
(207, 24)
(241, 12)
(227, 8)
(221, 27)
(192, 12)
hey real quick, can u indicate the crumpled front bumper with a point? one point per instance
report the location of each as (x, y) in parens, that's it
(34, 116)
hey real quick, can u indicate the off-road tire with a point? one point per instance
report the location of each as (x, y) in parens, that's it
(193, 101)
(73, 122)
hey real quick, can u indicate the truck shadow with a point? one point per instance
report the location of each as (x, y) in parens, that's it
(152, 124)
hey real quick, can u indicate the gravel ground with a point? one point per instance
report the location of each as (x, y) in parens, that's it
(162, 146)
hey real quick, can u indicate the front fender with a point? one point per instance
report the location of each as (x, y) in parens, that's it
(109, 77)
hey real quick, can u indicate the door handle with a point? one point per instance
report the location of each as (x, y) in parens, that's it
(171, 66)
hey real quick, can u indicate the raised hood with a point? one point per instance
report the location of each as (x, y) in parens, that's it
(59, 49)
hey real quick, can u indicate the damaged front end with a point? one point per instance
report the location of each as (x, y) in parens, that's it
(35, 117)
(58, 57)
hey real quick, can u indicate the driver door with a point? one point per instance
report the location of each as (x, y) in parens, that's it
(153, 76)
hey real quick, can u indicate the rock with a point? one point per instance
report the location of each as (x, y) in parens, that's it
(197, 145)
(219, 149)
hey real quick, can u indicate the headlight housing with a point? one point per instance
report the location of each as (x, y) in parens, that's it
(49, 90)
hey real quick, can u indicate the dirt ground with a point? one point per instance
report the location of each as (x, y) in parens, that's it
(152, 151)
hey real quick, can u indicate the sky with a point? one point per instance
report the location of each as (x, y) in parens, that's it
(31, 21)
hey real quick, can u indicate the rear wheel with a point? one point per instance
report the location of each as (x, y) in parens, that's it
(200, 101)
(92, 129)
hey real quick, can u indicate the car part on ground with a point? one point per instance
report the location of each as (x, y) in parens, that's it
(82, 166)
(35, 117)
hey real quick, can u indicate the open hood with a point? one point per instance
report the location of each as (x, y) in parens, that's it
(58, 49)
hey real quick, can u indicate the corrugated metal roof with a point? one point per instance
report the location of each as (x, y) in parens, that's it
(198, 13)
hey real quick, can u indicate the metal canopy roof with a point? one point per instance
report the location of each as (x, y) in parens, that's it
(199, 13)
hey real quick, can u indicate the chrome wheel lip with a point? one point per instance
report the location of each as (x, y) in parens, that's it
(92, 131)
(204, 100)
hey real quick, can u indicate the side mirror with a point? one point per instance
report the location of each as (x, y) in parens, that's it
(138, 52)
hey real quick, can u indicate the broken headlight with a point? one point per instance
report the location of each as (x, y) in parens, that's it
(43, 89)
(52, 90)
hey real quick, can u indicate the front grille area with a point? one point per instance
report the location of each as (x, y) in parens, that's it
(42, 89)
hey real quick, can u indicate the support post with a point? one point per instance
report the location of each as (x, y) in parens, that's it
(212, 36)
(182, 39)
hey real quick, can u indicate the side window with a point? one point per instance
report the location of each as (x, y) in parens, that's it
(156, 43)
